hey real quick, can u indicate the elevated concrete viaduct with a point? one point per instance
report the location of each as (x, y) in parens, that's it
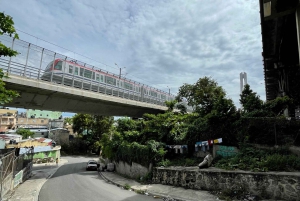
(42, 95)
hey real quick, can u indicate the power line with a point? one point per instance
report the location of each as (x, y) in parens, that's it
(65, 48)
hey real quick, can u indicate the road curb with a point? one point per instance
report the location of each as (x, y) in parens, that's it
(155, 195)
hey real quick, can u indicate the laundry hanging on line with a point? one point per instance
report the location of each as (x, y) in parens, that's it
(178, 148)
(204, 145)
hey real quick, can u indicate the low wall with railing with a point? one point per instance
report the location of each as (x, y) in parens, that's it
(269, 185)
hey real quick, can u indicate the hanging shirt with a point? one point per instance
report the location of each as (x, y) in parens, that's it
(220, 140)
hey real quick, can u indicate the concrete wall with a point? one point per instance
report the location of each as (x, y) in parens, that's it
(133, 171)
(275, 185)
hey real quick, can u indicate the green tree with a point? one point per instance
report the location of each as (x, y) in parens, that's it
(91, 128)
(82, 123)
(68, 120)
(216, 113)
(202, 95)
(250, 100)
(6, 27)
(25, 133)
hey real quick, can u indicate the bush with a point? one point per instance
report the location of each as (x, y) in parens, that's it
(127, 186)
(180, 161)
(250, 158)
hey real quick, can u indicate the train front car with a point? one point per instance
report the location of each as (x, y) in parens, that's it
(53, 70)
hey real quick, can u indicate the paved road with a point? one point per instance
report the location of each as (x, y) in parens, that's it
(73, 182)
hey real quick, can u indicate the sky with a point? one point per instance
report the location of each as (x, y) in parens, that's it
(162, 43)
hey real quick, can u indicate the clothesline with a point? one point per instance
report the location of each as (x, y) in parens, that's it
(178, 148)
(204, 145)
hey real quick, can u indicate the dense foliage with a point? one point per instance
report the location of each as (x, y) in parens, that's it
(6, 27)
(215, 116)
(90, 128)
(251, 158)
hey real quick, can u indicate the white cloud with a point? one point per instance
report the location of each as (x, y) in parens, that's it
(161, 43)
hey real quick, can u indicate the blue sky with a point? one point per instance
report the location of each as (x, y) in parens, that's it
(163, 43)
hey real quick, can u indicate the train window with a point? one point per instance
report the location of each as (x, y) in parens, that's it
(102, 79)
(93, 75)
(81, 71)
(153, 94)
(127, 86)
(76, 71)
(110, 80)
(163, 97)
(117, 82)
(98, 77)
(70, 69)
(87, 73)
(58, 66)
(121, 84)
(49, 66)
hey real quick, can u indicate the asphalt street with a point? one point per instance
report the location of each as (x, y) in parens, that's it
(73, 182)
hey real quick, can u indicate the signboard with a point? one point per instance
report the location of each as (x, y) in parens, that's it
(18, 178)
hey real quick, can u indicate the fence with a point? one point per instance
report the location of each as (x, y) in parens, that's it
(14, 170)
(32, 62)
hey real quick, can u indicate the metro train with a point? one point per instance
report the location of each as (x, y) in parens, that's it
(72, 74)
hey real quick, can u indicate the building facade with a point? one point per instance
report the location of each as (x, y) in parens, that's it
(25, 122)
(43, 114)
(7, 119)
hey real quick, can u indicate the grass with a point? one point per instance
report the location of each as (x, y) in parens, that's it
(260, 160)
(185, 162)
(127, 186)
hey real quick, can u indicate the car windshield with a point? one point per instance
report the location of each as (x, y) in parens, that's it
(92, 163)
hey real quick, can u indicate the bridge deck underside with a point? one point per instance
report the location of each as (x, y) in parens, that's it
(67, 99)
(280, 50)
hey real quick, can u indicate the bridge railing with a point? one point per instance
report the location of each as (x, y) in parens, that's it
(32, 61)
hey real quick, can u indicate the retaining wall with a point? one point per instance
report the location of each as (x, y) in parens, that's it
(269, 185)
(134, 170)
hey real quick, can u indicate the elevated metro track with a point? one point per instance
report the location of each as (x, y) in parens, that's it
(42, 95)
(74, 86)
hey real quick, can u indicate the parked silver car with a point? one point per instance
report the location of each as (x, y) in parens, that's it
(91, 165)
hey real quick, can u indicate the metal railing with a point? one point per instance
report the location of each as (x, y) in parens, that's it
(32, 60)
